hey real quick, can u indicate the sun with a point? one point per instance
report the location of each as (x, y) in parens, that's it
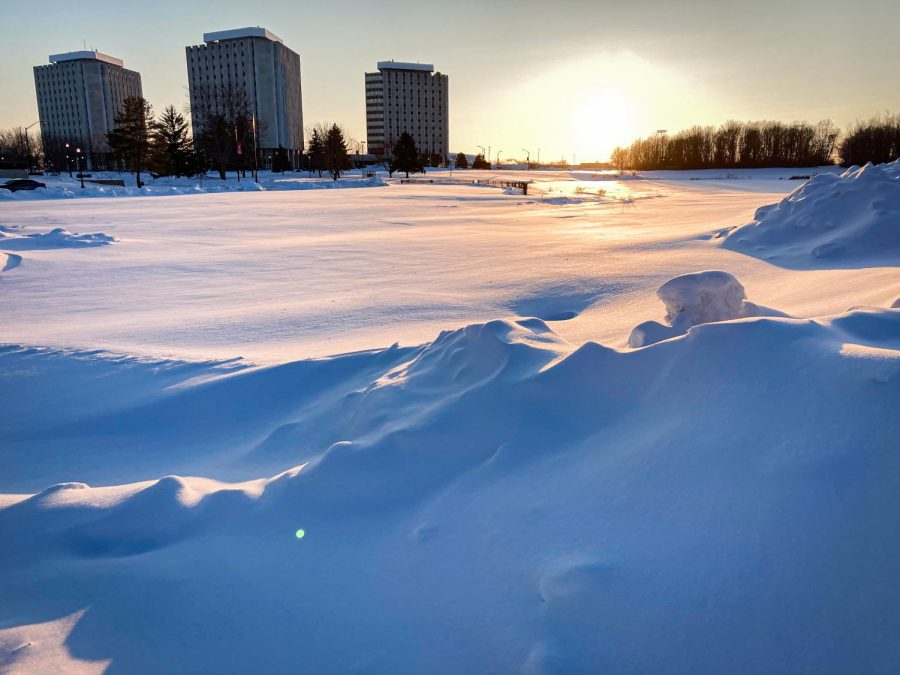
(600, 122)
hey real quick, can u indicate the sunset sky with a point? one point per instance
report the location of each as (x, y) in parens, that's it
(567, 77)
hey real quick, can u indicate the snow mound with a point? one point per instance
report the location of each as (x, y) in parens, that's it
(694, 492)
(56, 238)
(848, 219)
(694, 299)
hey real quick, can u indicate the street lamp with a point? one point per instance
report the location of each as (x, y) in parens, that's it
(80, 164)
(498, 158)
(28, 144)
(527, 158)
(360, 146)
(483, 151)
(68, 161)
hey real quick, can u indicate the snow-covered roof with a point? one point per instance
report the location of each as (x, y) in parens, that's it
(237, 33)
(400, 65)
(92, 54)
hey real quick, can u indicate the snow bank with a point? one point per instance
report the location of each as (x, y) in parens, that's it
(694, 299)
(62, 187)
(17, 240)
(848, 219)
(491, 500)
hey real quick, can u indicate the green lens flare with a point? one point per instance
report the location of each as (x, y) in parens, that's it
(300, 534)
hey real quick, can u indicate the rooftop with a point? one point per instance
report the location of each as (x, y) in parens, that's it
(400, 65)
(91, 54)
(238, 33)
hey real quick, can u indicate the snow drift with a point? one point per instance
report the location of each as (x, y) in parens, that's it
(694, 299)
(17, 240)
(847, 219)
(60, 188)
(493, 500)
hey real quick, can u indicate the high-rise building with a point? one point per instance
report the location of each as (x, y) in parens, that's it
(256, 61)
(79, 95)
(407, 97)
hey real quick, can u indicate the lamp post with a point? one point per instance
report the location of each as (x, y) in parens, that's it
(80, 166)
(498, 158)
(482, 151)
(527, 158)
(68, 161)
(28, 144)
(359, 147)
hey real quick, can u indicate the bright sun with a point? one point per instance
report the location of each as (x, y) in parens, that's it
(601, 122)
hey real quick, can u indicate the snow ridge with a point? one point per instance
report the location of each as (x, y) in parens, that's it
(844, 220)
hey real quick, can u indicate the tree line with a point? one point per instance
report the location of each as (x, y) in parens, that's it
(763, 144)
(228, 134)
(876, 140)
(732, 145)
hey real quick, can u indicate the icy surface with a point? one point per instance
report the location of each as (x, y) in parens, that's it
(693, 299)
(844, 220)
(483, 495)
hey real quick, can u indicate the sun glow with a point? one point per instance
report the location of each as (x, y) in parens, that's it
(588, 106)
(602, 120)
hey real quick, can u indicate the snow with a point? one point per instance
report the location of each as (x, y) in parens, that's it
(56, 238)
(847, 219)
(433, 382)
(65, 187)
(694, 299)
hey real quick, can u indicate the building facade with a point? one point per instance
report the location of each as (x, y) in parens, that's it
(407, 97)
(255, 61)
(79, 95)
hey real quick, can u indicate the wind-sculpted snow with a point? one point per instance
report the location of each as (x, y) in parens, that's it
(846, 220)
(18, 240)
(492, 500)
(10, 261)
(694, 299)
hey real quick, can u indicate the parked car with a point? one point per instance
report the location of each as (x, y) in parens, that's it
(22, 184)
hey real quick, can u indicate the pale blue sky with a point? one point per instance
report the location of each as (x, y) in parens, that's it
(565, 76)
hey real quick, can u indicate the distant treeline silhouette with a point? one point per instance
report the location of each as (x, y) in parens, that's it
(733, 145)
(750, 145)
(876, 140)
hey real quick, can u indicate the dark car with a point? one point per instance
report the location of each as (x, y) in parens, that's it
(22, 184)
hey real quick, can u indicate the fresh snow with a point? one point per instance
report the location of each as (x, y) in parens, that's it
(434, 383)
(694, 299)
(849, 219)
(13, 240)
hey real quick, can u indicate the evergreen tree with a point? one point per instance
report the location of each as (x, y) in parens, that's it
(336, 151)
(172, 152)
(280, 160)
(130, 138)
(406, 155)
(316, 151)
(480, 162)
(462, 162)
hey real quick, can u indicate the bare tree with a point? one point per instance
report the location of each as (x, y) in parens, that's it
(224, 119)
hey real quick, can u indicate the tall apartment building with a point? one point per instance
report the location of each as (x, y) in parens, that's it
(79, 95)
(407, 97)
(257, 61)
